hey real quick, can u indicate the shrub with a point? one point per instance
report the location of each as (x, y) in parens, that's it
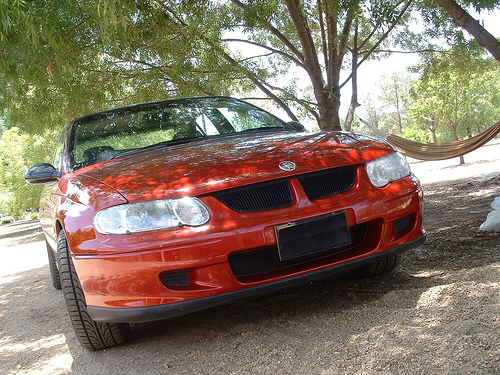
(19, 152)
(416, 134)
(7, 220)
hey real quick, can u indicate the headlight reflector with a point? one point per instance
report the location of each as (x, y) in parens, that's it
(151, 215)
(387, 169)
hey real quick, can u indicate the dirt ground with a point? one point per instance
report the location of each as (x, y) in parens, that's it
(438, 314)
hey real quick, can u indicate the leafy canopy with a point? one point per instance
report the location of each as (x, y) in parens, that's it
(61, 59)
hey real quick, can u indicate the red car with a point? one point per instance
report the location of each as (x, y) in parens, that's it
(164, 208)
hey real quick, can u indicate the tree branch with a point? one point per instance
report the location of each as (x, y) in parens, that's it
(382, 38)
(251, 76)
(323, 32)
(461, 18)
(310, 56)
(274, 50)
(276, 33)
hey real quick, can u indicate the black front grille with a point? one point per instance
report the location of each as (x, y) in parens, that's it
(324, 184)
(257, 197)
(277, 193)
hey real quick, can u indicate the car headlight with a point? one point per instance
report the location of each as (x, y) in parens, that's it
(151, 215)
(387, 169)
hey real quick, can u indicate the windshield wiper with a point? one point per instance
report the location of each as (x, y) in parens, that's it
(172, 142)
(265, 128)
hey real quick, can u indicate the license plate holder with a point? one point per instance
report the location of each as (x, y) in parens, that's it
(311, 236)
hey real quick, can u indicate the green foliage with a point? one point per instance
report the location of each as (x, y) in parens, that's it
(458, 94)
(60, 60)
(48, 73)
(394, 99)
(19, 152)
(416, 134)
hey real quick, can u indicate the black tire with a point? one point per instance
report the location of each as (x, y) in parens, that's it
(381, 267)
(91, 334)
(54, 272)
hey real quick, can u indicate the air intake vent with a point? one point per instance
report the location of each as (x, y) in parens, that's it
(175, 279)
(324, 184)
(401, 224)
(257, 197)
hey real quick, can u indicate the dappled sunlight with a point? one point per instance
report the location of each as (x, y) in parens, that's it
(33, 317)
(222, 163)
(443, 325)
(429, 273)
(57, 364)
(443, 229)
(53, 349)
(435, 315)
(9, 279)
(9, 346)
(482, 193)
(436, 295)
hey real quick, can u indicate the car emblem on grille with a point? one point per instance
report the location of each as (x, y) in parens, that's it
(287, 166)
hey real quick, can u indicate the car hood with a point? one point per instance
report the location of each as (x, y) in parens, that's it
(204, 166)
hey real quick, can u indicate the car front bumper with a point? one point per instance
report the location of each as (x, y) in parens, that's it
(152, 313)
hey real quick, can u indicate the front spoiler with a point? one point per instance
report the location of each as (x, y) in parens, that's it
(152, 313)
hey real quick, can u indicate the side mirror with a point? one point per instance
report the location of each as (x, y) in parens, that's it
(41, 174)
(297, 126)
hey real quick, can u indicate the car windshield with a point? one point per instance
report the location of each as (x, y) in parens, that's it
(106, 135)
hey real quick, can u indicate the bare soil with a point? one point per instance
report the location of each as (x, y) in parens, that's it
(438, 314)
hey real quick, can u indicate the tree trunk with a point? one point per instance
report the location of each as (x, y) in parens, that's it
(354, 81)
(398, 108)
(329, 106)
(455, 134)
(327, 96)
(350, 112)
(434, 136)
(464, 20)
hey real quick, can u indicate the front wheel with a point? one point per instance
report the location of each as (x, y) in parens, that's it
(380, 267)
(91, 334)
(54, 273)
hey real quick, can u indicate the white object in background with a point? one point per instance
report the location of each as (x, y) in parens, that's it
(492, 223)
(496, 203)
